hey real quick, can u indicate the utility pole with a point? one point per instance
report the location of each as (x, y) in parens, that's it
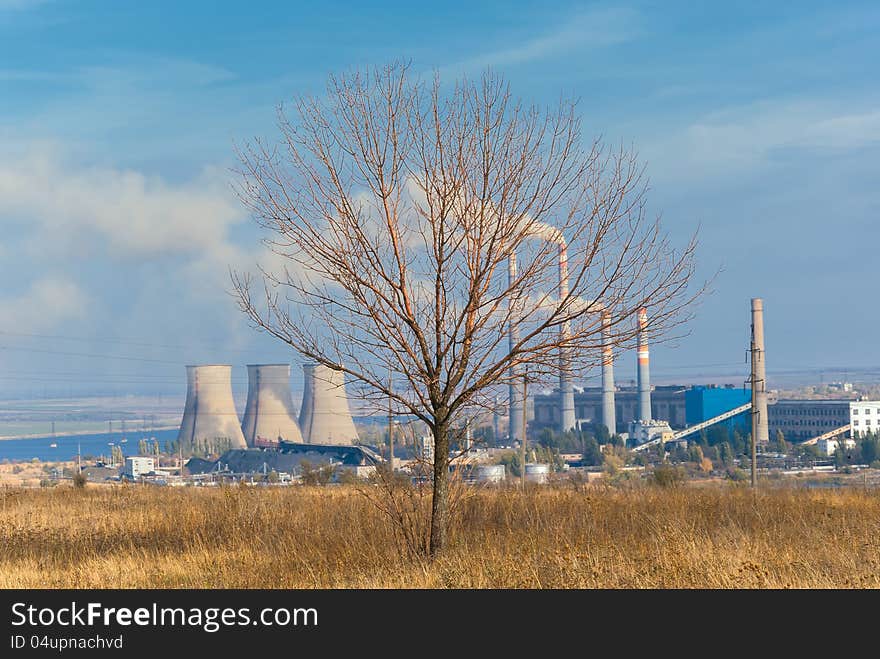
(390, 425)
(522, 462)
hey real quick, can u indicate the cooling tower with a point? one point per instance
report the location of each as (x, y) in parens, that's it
(609, 415)
(644, 378)
(269, 413)
(762, 433)
(324, 417)
(209, 413)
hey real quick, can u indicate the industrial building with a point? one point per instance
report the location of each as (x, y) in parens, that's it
(684, 406)
(288, 459)
(829, 447)
(864, 417)
(667, 404)
(800, 420)
(706, 402)
(137, 466)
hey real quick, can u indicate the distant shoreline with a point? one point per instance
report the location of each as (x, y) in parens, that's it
(75, 433)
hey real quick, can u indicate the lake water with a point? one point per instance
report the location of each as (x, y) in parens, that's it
(18, 450)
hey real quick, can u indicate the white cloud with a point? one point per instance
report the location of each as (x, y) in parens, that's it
(595, 28)
(46, 303)
(742, 139)
(135, 213)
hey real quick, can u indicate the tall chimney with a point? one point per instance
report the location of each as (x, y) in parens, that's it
(496, 421)
(759, 385)
(566, 386)
(609, 415)
(209, 412)
(516, 427)
(644, 373)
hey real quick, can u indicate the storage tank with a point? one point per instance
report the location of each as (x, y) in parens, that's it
(490, 473)
(538, 472)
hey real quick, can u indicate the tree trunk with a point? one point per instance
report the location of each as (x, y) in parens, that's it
(440, 501)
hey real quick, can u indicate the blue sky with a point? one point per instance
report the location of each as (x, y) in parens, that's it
(759, 122)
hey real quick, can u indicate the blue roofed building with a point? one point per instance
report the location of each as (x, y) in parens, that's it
(704, 403)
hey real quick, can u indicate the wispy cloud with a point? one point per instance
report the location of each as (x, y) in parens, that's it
(135, 214)
(595, 28)
(746, 138)
(47, 302)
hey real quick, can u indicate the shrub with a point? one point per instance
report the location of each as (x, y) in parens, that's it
(668, 475)
(79, 480)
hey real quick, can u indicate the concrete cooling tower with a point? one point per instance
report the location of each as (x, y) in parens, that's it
(209, 413)
(269, 413)
(324, 417)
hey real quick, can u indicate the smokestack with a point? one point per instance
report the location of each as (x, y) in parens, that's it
(325, 417)
(516, 427)
(496, 420)
(644, 371)
(209, 413)
(609, 415)
(566, 387)
(269, 413)
(759, 383)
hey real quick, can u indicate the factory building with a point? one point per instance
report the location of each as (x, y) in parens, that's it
(706, 402)
(828, 447)
(136, 466)
(667, 404)
(800, 419)
(864, 417)
(683, 406)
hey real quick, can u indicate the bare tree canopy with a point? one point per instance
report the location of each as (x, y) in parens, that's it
(419, 224)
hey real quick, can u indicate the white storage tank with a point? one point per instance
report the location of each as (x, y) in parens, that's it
(490, 473)
(538, 472)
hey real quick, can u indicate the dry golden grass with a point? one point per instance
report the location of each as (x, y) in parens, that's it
(134, 536)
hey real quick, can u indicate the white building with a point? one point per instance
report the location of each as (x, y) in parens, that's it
(644, 431)
(829, 446)
(864, 417)
(137, 466)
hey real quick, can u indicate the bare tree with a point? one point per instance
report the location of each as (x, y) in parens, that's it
(405, 214)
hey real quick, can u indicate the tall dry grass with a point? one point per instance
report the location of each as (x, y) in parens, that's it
(131, 536)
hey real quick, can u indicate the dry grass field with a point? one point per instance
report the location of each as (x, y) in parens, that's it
(300, 537)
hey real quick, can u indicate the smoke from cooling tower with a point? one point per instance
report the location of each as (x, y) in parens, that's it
(209, 413)
(269, 413)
